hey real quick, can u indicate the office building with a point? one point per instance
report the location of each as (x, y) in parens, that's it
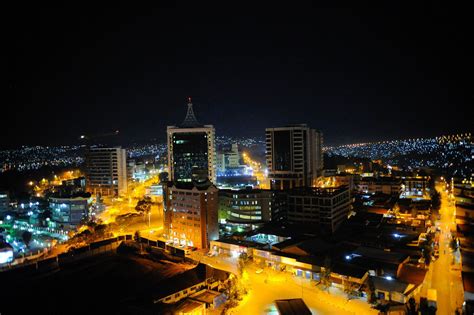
(294, 156)
(228, 160)
(245, 208)
(190, 212)
(327, 208)
(106, 171)
(191, 146)
(68, 211)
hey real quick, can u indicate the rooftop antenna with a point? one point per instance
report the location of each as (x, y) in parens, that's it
(190, 120)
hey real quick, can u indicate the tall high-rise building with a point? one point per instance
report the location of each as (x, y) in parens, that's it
(106, 171)
(191, 146)
(294, 156)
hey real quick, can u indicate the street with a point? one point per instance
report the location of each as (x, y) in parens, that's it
(440, 276)
(270, 285)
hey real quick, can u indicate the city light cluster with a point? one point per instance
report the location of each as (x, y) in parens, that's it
(35, 157)
(452, 152)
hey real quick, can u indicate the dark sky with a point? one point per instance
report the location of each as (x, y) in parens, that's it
(358, 74)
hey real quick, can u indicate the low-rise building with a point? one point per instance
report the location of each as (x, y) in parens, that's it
(246, 208)
(68, 211)
(383, 185)
(415, 184)
(192, 282)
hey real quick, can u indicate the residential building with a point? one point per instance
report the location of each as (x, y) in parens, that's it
(191, 213)
(325, 207)
(191, 146)
(294, 156)
(106, 171)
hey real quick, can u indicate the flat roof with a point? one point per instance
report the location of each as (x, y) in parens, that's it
(188, 306)
(292, 307)
(207, 296)
(381, 255)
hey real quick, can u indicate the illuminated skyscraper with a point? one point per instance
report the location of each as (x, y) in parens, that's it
(294, 156)
(191, 146)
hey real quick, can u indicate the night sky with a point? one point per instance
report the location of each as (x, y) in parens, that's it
(358, 74)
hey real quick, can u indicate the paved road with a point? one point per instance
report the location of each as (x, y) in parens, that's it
(441, 277)
(270, 285)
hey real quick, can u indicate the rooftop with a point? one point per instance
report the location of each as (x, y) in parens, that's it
(318, 191)
(292, 307)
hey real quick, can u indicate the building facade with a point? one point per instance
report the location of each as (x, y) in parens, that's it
(4, 201)
(228, 159)
(380, 185)
(191, 146)
(106, 171)
(191, 213)
(324, 207)
(248, 208)
(68, 212)
(294, 156)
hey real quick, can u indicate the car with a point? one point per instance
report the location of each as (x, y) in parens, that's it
(436, 253)
(259, 271)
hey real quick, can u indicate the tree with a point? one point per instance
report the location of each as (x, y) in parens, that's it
(350, 288)
(243, 259)
(371, 298)
(26, 236)
(326, 273)
(412, 307)
(436, 200)
(427, 254)
(234, 292)
(143, 205)
(453, 243)
(100, 229)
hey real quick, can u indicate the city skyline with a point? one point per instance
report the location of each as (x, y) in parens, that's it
(396, 77)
